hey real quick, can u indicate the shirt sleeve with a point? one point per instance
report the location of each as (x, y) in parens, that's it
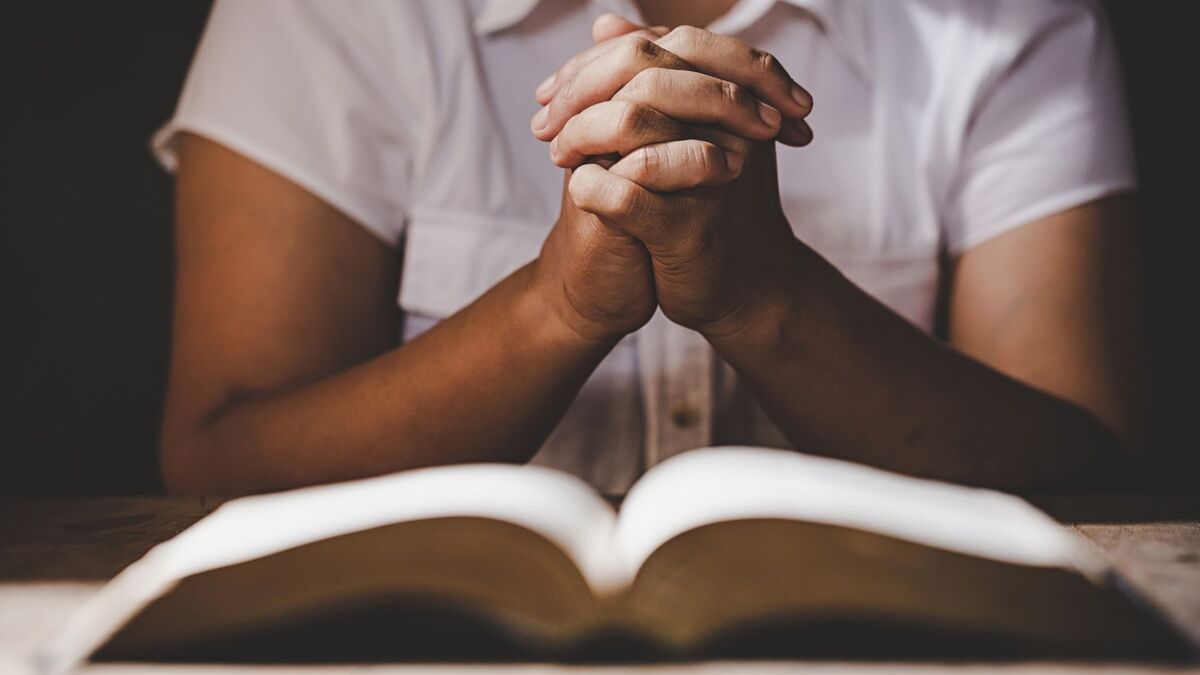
(310, 90)
(1048, 129)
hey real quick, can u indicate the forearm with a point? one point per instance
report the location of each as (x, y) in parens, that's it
(486, 384)
(843, 375)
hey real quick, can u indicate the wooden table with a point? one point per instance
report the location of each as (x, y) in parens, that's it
(54, 553)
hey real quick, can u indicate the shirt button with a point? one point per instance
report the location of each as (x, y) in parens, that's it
(685, 417)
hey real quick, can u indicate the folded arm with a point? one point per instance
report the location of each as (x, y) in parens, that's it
(1039, 387)
(284, 370)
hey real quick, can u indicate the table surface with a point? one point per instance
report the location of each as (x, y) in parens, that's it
(55, 553)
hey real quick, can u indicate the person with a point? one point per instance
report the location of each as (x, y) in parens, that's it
(378, 267)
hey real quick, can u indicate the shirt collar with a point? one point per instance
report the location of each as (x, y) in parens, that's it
(842, 20)
(498, 15)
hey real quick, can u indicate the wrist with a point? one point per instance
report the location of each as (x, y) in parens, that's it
(546, 305)
(769, 325)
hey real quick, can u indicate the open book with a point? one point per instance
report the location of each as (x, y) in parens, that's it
(708, 542)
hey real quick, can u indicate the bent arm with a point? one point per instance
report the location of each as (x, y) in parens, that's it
(1039, 388)
(283, 367)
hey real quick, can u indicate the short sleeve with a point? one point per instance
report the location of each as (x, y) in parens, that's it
(310, 90)
(1048, 129)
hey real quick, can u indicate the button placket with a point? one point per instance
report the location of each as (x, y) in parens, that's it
(677, 381)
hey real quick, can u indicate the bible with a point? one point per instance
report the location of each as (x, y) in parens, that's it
(710, 543)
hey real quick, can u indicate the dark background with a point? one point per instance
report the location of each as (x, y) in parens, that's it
(85, 221)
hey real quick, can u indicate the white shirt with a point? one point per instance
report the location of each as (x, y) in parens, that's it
(939, 124)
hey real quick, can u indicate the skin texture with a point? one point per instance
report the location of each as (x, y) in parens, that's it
(284, 372)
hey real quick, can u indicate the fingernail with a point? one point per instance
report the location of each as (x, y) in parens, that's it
(802, 97)
(539, 120)
(733, 161)
(769, 115)
(545, 85)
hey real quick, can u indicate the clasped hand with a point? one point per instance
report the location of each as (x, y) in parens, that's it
(671, 196)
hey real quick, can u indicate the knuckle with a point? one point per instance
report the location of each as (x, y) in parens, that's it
(622, 199)
(651, 78)
(647, 163)
(710, 158)
(632, 117)
(764, 63)
(687, 34)
(565, 97)
(733, 94)
(637, 49)
(691, 162)
(572, 66)
(641, 85)
(697, 161)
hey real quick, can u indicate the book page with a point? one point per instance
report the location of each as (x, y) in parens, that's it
(732, 483)
(554, 504)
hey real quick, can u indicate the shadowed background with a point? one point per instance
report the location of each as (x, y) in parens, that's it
(85, 235)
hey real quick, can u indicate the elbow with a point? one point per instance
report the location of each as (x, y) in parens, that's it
(1121, 446)
(179, 465)
(1125, 460)
(1108, 456)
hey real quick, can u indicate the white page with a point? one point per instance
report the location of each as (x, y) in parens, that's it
(731, 483)
(557, 505)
